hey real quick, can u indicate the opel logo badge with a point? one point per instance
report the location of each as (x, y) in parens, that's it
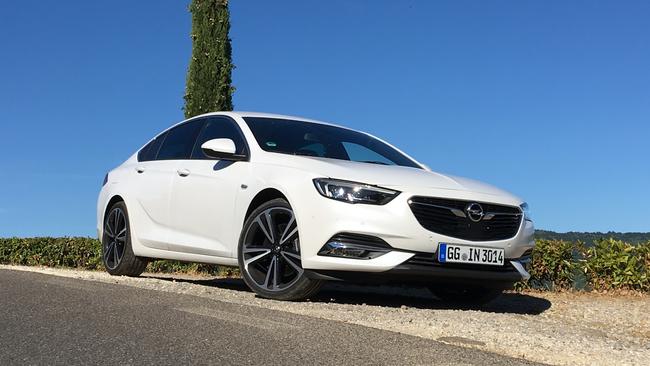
(474, 212)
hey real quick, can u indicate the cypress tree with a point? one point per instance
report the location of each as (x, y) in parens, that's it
(208, 86)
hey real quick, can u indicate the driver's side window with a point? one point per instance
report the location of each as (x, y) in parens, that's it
(220, 128)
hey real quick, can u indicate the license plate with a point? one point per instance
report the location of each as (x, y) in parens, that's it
(452, 253)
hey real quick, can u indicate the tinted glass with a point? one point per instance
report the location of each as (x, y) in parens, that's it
(180, 140)
(361, 153)
(316, 149)
(313, 139)
(150, 151)
(219, 128)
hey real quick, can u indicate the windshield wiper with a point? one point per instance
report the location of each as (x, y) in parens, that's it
(305, 153)
(374, 162)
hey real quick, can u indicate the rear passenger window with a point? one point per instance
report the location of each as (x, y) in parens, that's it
(150, 151)
(220, 128)
(180, 140)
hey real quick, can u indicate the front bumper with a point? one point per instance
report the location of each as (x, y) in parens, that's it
(394, 223)
(421, 272)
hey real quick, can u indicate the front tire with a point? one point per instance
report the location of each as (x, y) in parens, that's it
(269, 254)
(117, 253)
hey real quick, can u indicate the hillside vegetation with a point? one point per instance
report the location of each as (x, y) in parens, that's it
(590, 238)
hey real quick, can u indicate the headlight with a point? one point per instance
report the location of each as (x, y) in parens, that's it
(527, 216)
(352, 192)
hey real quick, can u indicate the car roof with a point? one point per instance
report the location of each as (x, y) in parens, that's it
(244, 114)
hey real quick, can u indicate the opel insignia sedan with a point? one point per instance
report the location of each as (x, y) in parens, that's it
(295, 202)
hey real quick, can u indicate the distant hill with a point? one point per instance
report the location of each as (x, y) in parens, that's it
(589, 238)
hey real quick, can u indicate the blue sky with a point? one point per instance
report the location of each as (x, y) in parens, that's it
(550, 100)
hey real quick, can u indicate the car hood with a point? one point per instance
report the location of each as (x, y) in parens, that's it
(396, 177)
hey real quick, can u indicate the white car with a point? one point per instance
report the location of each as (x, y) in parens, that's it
(295, 202)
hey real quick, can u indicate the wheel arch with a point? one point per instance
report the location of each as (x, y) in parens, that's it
(115, 199)
(103, 211)
(262, 196)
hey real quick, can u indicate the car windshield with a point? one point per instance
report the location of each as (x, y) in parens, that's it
(313, 139)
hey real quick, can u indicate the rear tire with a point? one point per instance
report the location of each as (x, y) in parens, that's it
(269, 254)
(465, 296)
(117, 253)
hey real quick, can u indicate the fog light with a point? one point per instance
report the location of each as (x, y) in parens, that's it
(340, 249)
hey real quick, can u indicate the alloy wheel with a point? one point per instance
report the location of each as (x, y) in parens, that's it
(271, 250)
(114, 238)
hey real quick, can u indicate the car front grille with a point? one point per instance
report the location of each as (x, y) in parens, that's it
(450, 217)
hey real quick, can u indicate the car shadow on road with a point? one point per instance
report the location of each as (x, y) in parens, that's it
(421, 298)
(389, 296)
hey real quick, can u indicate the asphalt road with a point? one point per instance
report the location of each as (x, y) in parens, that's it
(47, 320)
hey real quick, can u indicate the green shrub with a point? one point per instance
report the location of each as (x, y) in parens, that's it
(168, 266)
(555, 265)
(613, 264)
(86, 253)
(76, 252)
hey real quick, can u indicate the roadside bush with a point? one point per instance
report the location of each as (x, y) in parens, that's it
(86, 253)
(167, 266)
(76, 252)
(555, 265)
(613, 264)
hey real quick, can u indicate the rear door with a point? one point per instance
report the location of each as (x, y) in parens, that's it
(205, 191)
(152, 185)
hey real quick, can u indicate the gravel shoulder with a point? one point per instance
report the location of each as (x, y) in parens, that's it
(554, 328)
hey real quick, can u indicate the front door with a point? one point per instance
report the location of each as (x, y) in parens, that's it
(204, 193)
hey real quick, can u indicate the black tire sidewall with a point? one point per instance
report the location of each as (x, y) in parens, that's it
(301, 289)
(130, 264)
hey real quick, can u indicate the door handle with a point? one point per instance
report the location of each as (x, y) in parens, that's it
(183, 172)
(140, 170)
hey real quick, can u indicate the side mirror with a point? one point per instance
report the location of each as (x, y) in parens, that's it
(223, 149)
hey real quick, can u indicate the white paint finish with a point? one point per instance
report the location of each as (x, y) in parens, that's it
(198, 215)
(224, 146)
(203, 203)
